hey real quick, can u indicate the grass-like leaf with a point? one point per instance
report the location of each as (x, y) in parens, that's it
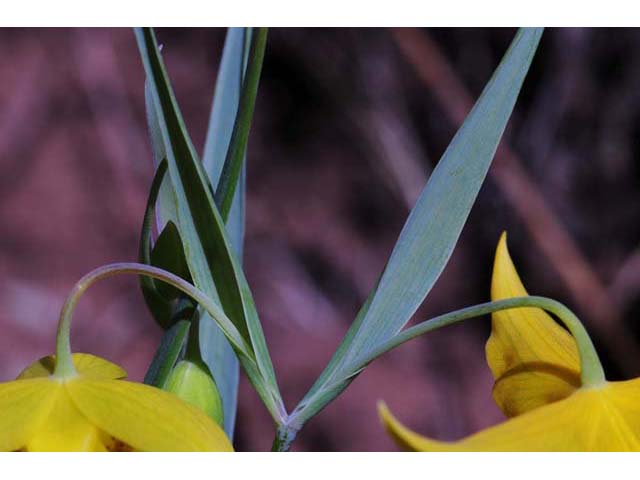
(224, 110)
(214, 347)
(212, 261)
(240, 135)
(161, 308)
(432, 229)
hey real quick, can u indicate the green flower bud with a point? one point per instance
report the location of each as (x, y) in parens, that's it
(194, 384)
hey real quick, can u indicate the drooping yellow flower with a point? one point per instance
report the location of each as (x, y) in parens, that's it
(556, 403)
(94, 409)
(534, 360)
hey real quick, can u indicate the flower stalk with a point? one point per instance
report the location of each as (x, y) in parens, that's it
(64, 364)
(592, 373)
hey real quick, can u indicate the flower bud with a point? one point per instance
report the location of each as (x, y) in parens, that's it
(194, 384)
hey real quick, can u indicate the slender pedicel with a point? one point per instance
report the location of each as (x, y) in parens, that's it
(64, 365)
(591, 372)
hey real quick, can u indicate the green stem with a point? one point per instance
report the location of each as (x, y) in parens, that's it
(591, 372)
(285, 435)
(167, 353)
(64, 364)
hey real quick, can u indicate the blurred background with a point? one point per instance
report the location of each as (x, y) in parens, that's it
(348, 125)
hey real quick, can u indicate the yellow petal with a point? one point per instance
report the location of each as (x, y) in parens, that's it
(533, 359)
(603, 419)
(404, 438)
(146, 418)
(24, 405)
(66, 429)
(86, 365)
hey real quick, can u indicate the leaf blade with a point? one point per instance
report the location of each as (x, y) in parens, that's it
(216, 350)
(210, 256)
(226, 188)
(428, 238)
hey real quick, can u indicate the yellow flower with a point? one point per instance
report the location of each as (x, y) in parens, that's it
(555, 404)
(93, 409)
(534, 360)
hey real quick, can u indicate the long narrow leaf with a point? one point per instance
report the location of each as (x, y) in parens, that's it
(433, 227)
(215, 349)
(166, 210)
(211, 259)
(161, 308)
(240, 135)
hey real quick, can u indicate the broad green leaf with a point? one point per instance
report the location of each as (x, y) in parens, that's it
(209, 254)
(432, 229)
(214, 347)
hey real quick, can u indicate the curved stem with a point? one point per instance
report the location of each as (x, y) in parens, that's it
(64, 364)
(591, 372)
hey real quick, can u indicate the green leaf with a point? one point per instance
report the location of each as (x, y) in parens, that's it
(168, 254)
(214, 347)
(209, 254)
(161, 308)
(432, 229)
(224, 110)
(171, 315)
(166, 199)
(225, 103)
(242, 125)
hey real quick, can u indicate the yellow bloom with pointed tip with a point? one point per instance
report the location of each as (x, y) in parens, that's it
(534, 360)
(536, 366)
(96, 410)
